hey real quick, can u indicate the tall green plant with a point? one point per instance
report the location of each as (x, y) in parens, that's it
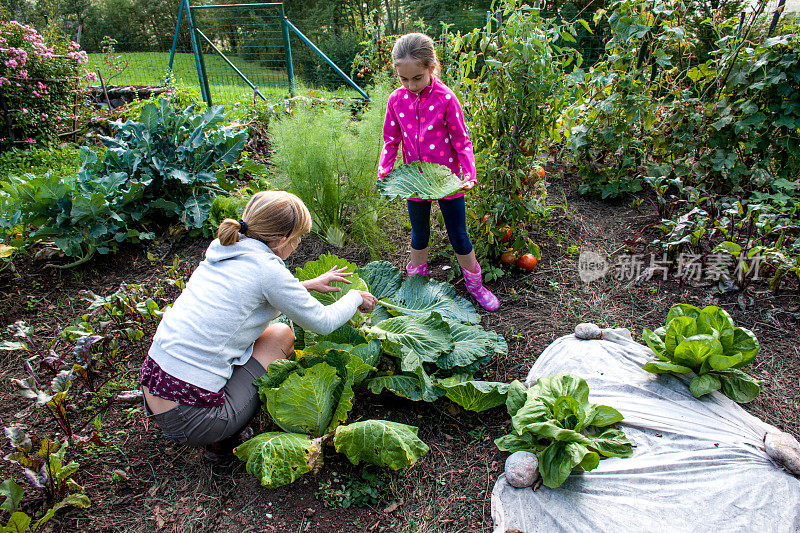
(610, 123)
(511, 76)
(331, 162)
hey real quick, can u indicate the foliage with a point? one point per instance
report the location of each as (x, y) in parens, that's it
(47, 472)
(513, 85)
(114, 63)
(159, 168)
(736, 242)
(355, 491)
(707, 343)
(88, 356)
(611, 120)
(555, 420)
(39, 78)
(341, 49)
(63, 160)
(331, 161)
(422, 334)
(420, 179)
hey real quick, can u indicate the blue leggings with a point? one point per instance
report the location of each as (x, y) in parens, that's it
(455, 220)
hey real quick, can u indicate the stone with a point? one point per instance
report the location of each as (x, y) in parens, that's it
(785, 449)
(588, 331)
(522, 469)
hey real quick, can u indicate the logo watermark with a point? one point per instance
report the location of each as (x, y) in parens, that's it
(592, 266)
(686, 266)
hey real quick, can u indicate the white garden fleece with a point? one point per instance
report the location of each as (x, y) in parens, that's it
(229, 300)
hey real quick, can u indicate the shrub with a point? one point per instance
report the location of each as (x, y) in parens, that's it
(162, 167)
(38, 79)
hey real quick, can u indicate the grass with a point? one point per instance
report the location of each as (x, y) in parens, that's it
(227, 87)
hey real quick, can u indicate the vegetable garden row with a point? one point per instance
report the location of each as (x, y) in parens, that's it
(705, 132)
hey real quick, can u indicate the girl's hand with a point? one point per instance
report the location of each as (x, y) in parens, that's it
(323, 282)
(369, 302)
(467, 184)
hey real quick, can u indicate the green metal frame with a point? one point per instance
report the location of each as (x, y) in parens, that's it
(327, 60)
(286, 25)
(287, 45)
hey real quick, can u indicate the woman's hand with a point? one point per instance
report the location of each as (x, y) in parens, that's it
(322, 283)
(467, 184)
(368, 302)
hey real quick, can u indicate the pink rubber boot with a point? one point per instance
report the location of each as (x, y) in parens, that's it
(474, 283)
(414, 270)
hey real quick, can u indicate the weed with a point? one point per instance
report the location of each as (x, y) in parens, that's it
(354, 491)
(477, 434)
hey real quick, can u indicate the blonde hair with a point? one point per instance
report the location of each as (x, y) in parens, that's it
(268, 216)
(419, 48)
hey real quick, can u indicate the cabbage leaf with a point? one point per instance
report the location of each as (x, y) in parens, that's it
(380, 442)
(420, 179)
(277, 458)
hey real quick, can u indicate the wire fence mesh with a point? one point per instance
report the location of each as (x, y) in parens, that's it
(243, 50)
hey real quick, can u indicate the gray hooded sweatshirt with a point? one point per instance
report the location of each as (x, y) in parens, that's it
(229, 300)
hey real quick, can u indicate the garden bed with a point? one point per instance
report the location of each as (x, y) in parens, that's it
(139, 481)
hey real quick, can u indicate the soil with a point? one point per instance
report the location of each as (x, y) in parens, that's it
(139, 481)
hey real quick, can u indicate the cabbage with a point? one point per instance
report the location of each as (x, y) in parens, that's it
(420, 179)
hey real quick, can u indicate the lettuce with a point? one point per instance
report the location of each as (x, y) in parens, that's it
(555, 420)
(705, 342)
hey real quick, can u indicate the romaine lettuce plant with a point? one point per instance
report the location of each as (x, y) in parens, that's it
(707, 343)
(555, 420)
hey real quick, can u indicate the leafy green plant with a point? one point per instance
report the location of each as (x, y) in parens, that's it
(330, 160)
(47, 472)
(421, 334)
(364, 490)
(420, 179)
(161, 167)
(705, 342)
(610, 123)
(555, 420)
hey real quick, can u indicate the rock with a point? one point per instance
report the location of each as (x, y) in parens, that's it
(522, 469)
(785, 449)
(587, 331)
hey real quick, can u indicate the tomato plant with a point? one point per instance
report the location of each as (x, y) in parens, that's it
(512, 81)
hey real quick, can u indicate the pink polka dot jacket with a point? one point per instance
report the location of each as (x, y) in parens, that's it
(431, 127)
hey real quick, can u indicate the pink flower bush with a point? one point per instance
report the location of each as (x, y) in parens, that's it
(38, 80)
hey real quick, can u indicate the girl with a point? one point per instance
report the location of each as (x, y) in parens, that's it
(425, 115)
(198, 377)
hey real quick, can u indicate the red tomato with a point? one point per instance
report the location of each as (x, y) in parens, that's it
(508, 257)
(527, 262)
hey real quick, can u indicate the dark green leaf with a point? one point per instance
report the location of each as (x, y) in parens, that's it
(704, 384)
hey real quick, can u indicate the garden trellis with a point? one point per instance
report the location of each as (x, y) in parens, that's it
(250, 45)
